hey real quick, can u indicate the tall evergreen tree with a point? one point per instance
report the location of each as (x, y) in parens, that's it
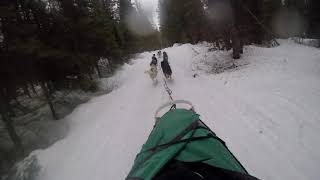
(181, 21)
(313, 16)
(47, 42)
(269, 9)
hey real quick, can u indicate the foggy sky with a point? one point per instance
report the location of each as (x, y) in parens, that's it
(151, 7)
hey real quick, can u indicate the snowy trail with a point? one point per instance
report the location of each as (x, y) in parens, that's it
(267, 112)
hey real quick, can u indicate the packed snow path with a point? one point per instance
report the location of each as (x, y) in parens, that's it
(267, 111)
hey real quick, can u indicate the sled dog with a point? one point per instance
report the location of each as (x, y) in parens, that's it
(153, 72)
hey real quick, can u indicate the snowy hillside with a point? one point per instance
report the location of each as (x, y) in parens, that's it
(267, 111)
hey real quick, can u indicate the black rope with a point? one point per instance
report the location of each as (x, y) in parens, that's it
(224, 144)
(184, 140)
(189, 128)
(173, 107)
(166, 87)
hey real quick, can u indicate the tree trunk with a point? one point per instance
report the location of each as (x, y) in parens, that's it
(226, 39)
(236, 44)
(50, 87)
(48, 97)
(241, 44)
(98, 70)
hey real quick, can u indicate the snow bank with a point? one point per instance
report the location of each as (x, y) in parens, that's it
(267, 111)
(307, 42)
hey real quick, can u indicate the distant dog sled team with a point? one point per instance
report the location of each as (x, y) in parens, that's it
(165, 66)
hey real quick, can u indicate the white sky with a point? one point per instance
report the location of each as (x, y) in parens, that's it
(151, 7)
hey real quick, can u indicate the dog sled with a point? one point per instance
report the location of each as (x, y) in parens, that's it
(181, 146)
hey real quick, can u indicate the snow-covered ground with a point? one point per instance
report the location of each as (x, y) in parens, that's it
(267, 111)
(307, 42)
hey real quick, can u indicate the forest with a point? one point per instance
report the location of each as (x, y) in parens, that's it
(52, 45)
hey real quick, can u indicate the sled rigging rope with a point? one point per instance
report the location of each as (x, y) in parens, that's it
(169, 91)
(166, 87)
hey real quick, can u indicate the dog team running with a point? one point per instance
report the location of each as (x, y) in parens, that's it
(165, 66)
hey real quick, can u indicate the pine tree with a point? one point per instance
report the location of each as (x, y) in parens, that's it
(181, 21)
(313, 7)
(269, 9)
(46, 42)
